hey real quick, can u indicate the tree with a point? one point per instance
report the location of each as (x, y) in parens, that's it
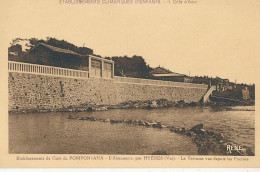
(131, 66)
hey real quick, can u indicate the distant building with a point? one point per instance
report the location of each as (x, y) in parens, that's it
(202, 80)
(167, 75)
(230, 87)
(245, 94)
(221, 84)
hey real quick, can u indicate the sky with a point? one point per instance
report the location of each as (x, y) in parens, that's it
(214, 38)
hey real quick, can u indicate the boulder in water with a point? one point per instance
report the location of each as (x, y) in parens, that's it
(197, 128)
(147, 124)
(154, 104)
(190, 133)
(102, 108)
(219, 137)
(70, 117)
(164, 126)
(193, 104)
(183, 130)
(107, 120)
(141, 123)
(177, 130)
(129, 121)
(202, 132)
(211, 133)
(154, 125)
(113, 121)
(159, 125)
(81, 118)
(90, 109)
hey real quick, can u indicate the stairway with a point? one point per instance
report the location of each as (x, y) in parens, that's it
(209, 92)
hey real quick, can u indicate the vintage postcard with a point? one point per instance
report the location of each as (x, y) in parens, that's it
(129, 83)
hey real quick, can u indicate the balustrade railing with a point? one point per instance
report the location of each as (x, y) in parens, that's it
(158, 82)
(46, 70)
(56, 71)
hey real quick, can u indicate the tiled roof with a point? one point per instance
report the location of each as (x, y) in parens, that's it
(161, 70)
(60, 50)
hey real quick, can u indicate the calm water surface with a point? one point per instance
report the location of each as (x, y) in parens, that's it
(53, 133)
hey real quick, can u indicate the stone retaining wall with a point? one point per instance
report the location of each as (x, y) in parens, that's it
(31, 91)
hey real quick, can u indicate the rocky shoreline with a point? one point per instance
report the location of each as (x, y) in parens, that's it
(151, 104)
(208, 142)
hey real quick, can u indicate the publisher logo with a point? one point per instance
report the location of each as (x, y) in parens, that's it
(232, 148)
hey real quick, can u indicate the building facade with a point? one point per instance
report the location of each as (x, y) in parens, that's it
(97, 66)
(167, 75)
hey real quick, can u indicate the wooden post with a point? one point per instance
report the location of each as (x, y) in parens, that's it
(102, 68)
(89, 66)
(113, 69)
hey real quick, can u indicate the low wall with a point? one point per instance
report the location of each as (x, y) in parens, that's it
(33, 91)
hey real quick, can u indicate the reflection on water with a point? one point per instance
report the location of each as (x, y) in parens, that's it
(54, 133)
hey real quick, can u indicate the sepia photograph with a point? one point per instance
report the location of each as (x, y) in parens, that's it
(65, 101)
(149, 78)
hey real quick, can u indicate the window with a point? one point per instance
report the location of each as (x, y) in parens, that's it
(107, 66)
(84, 62)
(96, 64)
